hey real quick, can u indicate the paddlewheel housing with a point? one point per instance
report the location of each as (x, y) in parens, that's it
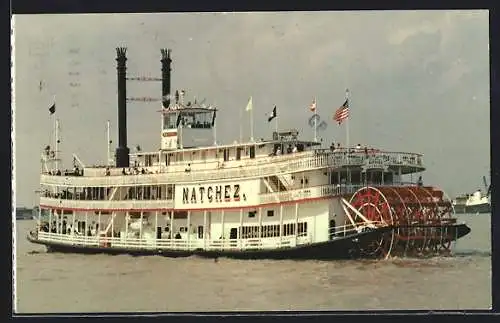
(421, 219)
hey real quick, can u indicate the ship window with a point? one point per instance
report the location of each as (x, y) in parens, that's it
(251, 214)
(252, 151)
(170, 121)
(270, 212)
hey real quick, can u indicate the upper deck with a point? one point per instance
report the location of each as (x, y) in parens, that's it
(249, 160)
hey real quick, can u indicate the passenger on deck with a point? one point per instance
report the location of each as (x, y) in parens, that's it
(294, 150)
(178, 235)
(188, 168)
(108, 172)
(143, 171)
(420, 182)
(123, 171)
(289, 149)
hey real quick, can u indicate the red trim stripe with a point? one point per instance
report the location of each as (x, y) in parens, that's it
(302, 201)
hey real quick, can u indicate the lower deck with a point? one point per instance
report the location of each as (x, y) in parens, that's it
(271, 227)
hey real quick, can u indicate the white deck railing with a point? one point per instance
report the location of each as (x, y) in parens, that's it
(278, 165)
(308, 193)
(276, 197)
(176, 244)
(107, 205)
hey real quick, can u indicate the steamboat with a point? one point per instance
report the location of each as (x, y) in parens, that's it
(282, 197)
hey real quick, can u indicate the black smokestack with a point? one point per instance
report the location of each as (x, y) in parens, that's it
(122, 151)
(165, 76)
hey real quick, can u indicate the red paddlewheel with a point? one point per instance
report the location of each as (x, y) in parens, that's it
(374, 204)
(421, 217)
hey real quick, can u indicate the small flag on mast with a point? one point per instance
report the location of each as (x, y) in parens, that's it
(249, 105)
(312, 107)
(342, 113)
(273, 115)
(52, 108)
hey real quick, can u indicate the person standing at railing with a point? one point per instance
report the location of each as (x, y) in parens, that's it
(420, 182)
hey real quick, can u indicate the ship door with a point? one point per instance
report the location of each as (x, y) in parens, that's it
(233, 234)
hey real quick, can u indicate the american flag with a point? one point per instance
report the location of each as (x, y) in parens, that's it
(342, 113)
(312, 107)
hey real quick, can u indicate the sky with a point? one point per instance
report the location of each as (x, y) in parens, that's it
(418, 82)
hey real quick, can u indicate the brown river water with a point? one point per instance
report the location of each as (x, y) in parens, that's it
(66, 283)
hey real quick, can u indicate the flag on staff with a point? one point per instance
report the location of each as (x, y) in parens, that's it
(312, 107)
(273, 115)
(52, 109)
(342, 113)
(249, 105)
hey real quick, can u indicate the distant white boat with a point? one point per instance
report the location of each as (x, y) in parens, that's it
(475, 203)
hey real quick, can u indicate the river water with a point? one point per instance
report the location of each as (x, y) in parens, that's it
(65, 283)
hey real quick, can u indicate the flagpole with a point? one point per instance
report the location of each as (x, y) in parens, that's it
(56, 144)
(251, 120)
(347, 119)
(109, 142)
(241, 127)
(276, 123)
(56, 137)
(347, 136)
(315, 121)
